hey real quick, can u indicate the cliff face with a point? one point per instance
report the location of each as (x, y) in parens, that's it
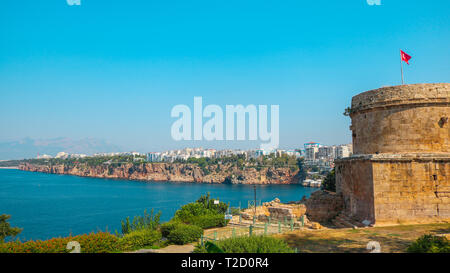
(174, 172)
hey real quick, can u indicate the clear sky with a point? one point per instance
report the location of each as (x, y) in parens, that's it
(114, 69)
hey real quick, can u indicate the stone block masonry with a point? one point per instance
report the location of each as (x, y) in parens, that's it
(402, 119)
(400, 170)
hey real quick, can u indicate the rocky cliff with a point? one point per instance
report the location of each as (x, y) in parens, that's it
(178, 172)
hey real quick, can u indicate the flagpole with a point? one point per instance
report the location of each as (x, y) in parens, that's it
(401, 65)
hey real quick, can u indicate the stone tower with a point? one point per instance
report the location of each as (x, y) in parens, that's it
(400, 169)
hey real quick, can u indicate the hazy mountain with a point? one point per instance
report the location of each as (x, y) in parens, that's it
(29, 148)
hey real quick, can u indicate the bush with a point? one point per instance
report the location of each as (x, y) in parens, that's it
(101, 242)
(203, 213)
(148, 221)
(191, 210)
(167, 227)
(183, 234)
(139, 239)
(209, 221)
(208, 203)
(430, 244)
(252, 244)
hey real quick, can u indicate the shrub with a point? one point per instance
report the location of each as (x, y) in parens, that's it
(209, 221)
(430, 244)
(139, 239)
(167, 227)
(203, 213)
(101, 242)
(252, 244)
(148, 221)
(188, 211)
(183, 234)
(209, 247)
(208, 203)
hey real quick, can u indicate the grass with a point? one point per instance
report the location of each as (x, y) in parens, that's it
(393, 239)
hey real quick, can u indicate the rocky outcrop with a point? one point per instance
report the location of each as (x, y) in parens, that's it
(276, 210)
(323, 206)
(178, 172)
(276, 213)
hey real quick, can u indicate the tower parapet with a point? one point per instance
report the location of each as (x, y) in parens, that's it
(402, 119)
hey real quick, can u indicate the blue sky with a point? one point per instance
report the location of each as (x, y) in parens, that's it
(114, 69)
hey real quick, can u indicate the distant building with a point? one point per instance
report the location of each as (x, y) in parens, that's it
(327, 152)
(257, 153)
(344, 151)
(293, 153)
(78, 156)
(154, 157)
(311, 149)
(62, 155)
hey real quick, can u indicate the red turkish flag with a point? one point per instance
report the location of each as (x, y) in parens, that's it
(405, 57)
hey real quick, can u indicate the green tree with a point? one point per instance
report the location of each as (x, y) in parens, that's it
(301, 169)
(5, 228)
(329, 183)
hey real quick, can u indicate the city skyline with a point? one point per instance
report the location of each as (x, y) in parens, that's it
(114, 70)
(32, 148)
(41, 148)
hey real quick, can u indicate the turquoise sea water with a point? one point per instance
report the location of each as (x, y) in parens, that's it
(49, 205)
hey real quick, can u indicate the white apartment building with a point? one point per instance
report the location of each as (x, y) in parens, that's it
(327, 152)
(310, 153)
(63, 155)
(344, 150)
(154, 157)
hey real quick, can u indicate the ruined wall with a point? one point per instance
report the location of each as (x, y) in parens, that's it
(399, 119)
(323, 206)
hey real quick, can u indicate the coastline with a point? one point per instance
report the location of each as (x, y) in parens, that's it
(115, 199)
(182, 173)
(10, 168)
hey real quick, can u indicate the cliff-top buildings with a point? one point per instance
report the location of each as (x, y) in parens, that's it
(324, 156)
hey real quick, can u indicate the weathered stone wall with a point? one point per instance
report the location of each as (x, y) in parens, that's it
(392, 189)
(400, 170)
(354, 180)
(399, 119)
(411, 189)
(323, 206)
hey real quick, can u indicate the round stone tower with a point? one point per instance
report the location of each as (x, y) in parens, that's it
(400, 168)
(402, 119)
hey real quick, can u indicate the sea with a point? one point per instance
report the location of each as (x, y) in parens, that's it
(52, 205)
